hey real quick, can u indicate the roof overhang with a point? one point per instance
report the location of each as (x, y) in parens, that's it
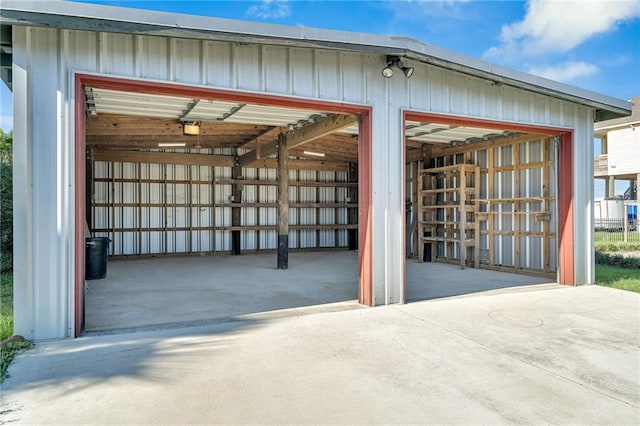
(90, 17)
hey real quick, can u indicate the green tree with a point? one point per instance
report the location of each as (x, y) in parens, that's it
(6, 201)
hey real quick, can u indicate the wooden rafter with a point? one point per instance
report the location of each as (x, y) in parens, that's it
(506, 140)
(301, 136)
(115, 125)
(266, 136)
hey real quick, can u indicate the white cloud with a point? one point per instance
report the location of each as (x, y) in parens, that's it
(271, 9)
(558, 26)
(565, 72)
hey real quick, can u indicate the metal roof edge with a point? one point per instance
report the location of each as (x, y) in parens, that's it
(91, 17)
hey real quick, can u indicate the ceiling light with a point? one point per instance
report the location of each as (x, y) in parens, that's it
(191, 128)
(171, 144)
(392, 61)
(313, 154)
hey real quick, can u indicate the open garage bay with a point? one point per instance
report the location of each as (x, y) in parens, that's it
(183, 291)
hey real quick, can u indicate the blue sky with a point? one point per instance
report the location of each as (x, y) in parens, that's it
(593, 44)
(590, 44)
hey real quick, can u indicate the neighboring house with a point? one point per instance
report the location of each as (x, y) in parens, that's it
(504, 158)
(620, 152)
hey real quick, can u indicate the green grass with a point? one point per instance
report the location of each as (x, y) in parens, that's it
(10, 350)
(616, 277)
(6, 306)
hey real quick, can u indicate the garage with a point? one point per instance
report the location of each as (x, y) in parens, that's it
(169, 177)
(357, 165)
(480, 195)
(163, 174)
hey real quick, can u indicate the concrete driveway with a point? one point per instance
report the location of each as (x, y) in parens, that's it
(537, 355)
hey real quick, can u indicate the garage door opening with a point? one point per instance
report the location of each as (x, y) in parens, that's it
(482, 206)
(219, 204)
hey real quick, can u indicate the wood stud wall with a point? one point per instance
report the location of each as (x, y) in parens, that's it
(448, 205)
(508, 216)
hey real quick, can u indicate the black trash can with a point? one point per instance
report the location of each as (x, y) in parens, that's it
(97, 249)
(427, 249)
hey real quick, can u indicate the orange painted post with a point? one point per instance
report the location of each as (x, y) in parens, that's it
(565, 211)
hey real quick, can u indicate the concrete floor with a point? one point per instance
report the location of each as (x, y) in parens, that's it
(556, 355)
(187, 290)
(140, 294)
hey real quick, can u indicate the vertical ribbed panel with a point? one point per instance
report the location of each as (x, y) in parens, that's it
(44, 62)
(166, 211)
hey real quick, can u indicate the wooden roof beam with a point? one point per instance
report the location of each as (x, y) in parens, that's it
(301, 136)
(266, 136)
(445, 149)
(128, 156)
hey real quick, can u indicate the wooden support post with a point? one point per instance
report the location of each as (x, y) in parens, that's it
(415, 209)
(516, 205)
(418, 233)
(352, 198)
(419, 225)
(317, 198)
(236, 209)
(190, 216)
(490, 195)
(139, 208)
(113, 209)
(89, 199)
(165, 232)
(545, 207)
(212, 202)
(283, 203)
(462, 219)
(476, 209)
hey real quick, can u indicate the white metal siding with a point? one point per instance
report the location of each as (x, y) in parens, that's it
(194, 210)
(44, 60)
(624, 151)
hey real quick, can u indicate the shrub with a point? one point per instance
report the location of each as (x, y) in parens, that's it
(614, 247)
(6, 202)
(617, 260)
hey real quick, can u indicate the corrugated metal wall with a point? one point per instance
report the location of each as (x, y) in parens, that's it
(166, 209)
(530, 185)
(44, 62)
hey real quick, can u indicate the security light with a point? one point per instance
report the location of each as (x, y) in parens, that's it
(392, 61)
(407, 71)
(387, 71)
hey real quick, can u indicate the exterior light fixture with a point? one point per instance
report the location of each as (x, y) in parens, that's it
(171, 144)
(392, 61)
(387, 71)
(192, 129)
(313, 153)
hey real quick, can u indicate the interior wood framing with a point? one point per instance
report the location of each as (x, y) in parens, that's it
(476, 204)
(237, 158)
